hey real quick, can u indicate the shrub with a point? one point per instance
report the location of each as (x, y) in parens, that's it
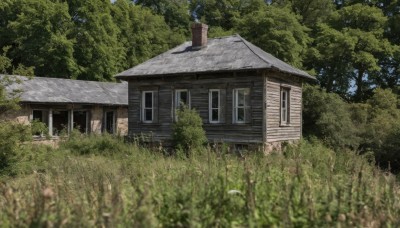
(105, 144)
(188, 132)
(328, 117)
(12, 136)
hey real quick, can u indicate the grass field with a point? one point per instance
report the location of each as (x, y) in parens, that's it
(100, 181)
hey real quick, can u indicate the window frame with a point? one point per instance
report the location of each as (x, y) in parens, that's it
(235, 107)
(210, 106)
(284, 106)
(144, 108)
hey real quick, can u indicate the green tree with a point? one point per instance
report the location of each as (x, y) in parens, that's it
(216, 13)
(349, 46)
(188, 132)
(9, 99)
(142, 33)
(97, 50)
(327, 116)
(37, 34)
(175, 13)
(311, 11)
(277, 31)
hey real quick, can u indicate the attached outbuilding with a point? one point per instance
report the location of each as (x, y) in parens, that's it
(243, 94)
(64, 104)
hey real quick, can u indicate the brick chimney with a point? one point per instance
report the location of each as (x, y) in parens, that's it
(199, 35)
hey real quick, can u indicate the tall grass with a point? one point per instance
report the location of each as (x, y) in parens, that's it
(85, 183)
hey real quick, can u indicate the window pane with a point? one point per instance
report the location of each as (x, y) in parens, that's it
(240, 97)
(240, 114)
(214, 99)
(214, 115)
(148, 100)
(183, 97)
(283, 115)
(148, 113)
(283, 99)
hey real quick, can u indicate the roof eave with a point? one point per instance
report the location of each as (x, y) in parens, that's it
(129, 77)
(67, 103)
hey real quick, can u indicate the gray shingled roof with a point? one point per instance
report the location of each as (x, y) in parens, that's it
(56, 90)
(229, 53)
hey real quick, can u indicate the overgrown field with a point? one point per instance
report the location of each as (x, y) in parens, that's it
(100, 181)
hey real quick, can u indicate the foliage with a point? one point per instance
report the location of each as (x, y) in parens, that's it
(187, 132)
(327, 116)
(12, 137)
(144, 188)
(143, 34)
(175, 13)
(350, 44)
(370, 127)
(39, 128)
(106, 144)
(382, 124)
(277, 31)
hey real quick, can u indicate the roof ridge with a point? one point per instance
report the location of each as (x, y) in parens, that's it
(251, 49)
(66, 79)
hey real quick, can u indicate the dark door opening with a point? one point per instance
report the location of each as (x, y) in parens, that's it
(60, 122)
(110, 122)
(80, 121)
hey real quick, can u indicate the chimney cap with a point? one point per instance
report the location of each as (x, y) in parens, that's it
(199, 25)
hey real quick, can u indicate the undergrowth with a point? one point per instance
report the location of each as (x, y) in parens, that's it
(101, 181)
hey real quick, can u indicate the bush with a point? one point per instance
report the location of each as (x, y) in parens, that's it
(328, 117)
(12, 137)
(188, 132)
(105, 144)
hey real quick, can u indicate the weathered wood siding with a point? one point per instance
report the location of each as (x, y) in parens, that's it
(199, 87)
(276, 131)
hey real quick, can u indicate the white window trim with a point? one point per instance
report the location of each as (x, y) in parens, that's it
(144, 107)
(285, 110)
(210, 108)
(235, 107)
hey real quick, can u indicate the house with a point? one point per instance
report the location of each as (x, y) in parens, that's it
(244, 95)
(64, 104)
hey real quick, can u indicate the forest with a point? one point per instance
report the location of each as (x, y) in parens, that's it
(351, 118)
(351, 46)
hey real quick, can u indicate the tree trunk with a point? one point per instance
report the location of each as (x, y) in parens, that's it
(359, 83)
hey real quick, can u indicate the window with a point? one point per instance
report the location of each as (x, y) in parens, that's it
(214, 105)
(181, 98)
(241, 108)
(285, 104)
(148, 106)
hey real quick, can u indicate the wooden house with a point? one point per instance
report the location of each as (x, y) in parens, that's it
(64, 104)
(243, 94)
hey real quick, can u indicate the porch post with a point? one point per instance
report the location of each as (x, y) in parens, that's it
(50, 124)
(71, 121)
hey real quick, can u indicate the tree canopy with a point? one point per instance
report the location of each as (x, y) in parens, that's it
(351, 46)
